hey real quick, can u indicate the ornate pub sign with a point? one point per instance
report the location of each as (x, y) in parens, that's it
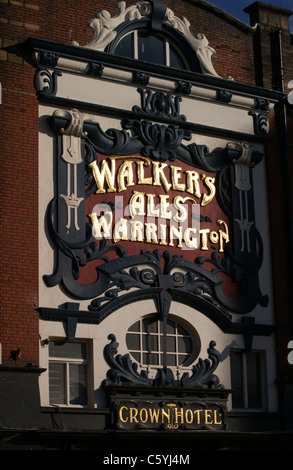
(142, 208)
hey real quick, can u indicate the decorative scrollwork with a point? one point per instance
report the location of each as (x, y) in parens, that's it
(159, 141)
(95, 69)
(46, 82)
(124, 372)
(159, 104)
(105, 29)
(122, 369)
(260, 123)
(203, 371)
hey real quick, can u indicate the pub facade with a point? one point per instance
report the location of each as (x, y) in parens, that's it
(159, 318)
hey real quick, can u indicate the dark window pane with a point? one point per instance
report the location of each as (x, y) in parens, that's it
(171, 360)
(184, 345)
(253, 380)
(57, 384)
(175, 59)
(125, 46)
(181, 359)
(150, 325)
(134, 327)
(133, 341)
(78, 384)
(136, 356)
(65, 349)
(236, 379)
(151, 359)
(170, 327)
(151, 48)
(150, 343)
(181, 331)
(171, 344)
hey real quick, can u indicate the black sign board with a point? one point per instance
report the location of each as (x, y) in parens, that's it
(135, 408)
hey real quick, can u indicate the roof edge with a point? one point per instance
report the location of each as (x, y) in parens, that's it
(268, 6)
(222, 13)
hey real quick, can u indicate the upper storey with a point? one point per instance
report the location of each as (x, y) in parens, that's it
(151, 32)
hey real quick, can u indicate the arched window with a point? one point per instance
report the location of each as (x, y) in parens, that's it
(145, 342)
(142, 45)
(151, 32)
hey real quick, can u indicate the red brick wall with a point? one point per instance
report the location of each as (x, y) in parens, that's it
(19, 214)
(65, 21)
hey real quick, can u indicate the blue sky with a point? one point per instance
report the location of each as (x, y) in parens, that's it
(235, 7)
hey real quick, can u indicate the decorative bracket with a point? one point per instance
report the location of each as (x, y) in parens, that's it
(123, 371)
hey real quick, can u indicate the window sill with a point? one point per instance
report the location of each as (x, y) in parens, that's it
(73, 409)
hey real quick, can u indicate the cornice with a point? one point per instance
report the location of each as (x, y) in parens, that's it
(31, 48)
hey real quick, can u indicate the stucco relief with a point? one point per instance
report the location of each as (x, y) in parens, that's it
(104, 27)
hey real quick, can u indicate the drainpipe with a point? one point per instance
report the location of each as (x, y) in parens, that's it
(284, 142)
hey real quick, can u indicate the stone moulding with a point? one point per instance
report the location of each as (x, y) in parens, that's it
(105, 30)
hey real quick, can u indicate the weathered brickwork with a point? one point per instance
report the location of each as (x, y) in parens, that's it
(66, 21)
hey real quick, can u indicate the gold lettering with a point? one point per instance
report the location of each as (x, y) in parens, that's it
(133, 415)
(165, 414)
(172, 415)
(159, 175)
(179, 414)
(120, 231)
(143, 411)
(165, 214)
(176, 175)
(191, 243)
(192, 184)
(105, 174)
(136, 204)
(214, 237)
(102, 226)
(204, 239)
(154, 415)
(121, 414)
(151, 232)
(136, 231)
(177, 233)
(163, 234)
(188, 416)
(210, 182)
(216, 412)
(125, 176)
(224, 236)
(151, 211)
(140, 173)
(197, 414)
(178, 203)
(208, 415)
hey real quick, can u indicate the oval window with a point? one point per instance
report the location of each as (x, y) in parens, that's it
(145, 342)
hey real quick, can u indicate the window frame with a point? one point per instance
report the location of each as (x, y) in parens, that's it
(174, 37)
(67, 361)
(245, 384)
(168, 46)
(192, 335)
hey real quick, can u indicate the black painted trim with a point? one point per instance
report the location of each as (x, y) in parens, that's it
(196, 302)
(33, 44)
(117, 112)
(176, 38)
